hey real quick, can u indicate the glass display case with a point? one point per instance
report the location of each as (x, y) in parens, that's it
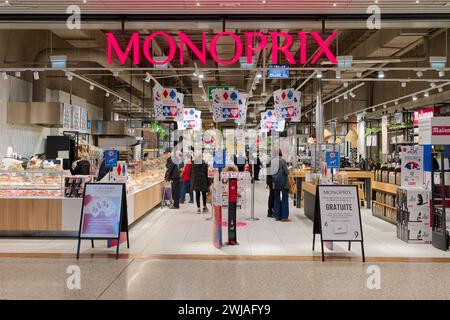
(145, 173)
(31, 183)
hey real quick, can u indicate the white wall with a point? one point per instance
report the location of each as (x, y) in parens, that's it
(28, 140)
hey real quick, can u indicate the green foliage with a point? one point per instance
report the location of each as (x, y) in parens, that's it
(372, 131)
(158, 129)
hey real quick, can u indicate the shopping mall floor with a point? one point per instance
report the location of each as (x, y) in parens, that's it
(172, 257)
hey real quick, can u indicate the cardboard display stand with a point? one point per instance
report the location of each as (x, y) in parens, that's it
(104, 214)
(337, 216)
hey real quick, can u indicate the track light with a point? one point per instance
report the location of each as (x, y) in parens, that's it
(319, 74)
(352, 95)
(346, 84)
(414, 98)
(345, 96)
(107, 94)
(359, 74)
(36, 75)
(201, 75)
(403, 84)
(119, 100)
(4, 76)
(441, 74)
(91, 87)
(346, 118)
(259, 74)
(69, 76)
(440, 89)
(426, 94)
(419, 74)
(18, 74)
(116, 73)
(384, 106)
(200, 83)
(381, 74)
(374, 109)
(338, 74)
(148, 77)
(396, 102)
(337, 100)
(433, 85)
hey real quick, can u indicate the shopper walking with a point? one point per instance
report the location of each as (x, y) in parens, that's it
(270, 202)
(200, 181)
(281, 188)
(257, 167)
(186, 182)
(173, 175)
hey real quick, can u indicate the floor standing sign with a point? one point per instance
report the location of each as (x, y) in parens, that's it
(338, 216)
(232, 207)
(103, 214)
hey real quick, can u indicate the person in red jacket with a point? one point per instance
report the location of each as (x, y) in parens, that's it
(186, 182)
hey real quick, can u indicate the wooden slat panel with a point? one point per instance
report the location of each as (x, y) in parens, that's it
(30, 214)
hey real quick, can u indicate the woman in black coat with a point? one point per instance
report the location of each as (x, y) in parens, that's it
(200, 182)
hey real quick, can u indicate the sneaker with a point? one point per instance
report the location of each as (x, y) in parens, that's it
(199, 211)
(205, 209)
(286, 220)
(278, 220)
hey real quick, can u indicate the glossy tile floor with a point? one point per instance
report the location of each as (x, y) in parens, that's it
(165, 231)
(24, 278)
(172, 257)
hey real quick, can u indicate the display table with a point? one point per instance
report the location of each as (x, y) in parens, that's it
(367, 176)
(23, 214)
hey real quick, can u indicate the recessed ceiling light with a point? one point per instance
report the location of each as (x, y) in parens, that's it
(6, 2)
(84, 1)
(417, 1)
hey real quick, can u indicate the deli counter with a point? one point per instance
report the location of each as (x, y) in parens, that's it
(38, 200)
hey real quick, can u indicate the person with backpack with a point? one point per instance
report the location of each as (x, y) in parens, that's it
(269, 183)
(280, 175)
(200, 182)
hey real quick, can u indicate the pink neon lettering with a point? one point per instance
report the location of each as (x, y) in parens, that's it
(250, 48)
(172, 48)
(284, 48)
(237, 51)
(324, 47)
(303, 45)
(184, 39)
(122, 56)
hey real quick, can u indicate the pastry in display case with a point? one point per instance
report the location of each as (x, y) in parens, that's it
(144, 173)
(31, 183)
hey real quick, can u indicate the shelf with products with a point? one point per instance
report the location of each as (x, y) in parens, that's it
(384, 203)
(145, 173)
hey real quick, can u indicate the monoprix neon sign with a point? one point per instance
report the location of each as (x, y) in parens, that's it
(253, 41)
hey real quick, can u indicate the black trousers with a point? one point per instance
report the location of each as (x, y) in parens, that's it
(197, 198)
(270, 202)
(176, 193)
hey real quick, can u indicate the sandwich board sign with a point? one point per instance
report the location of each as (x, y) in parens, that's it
(337, 216)
(103, 214)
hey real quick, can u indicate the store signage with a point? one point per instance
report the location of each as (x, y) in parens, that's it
(280, 43)
(412, 166)
(211, 88)
(104, 214)
(339, 213)
(287, 104)
(435, 131)
(111, 158)
(102, 208)
(332, 159)
(423, 114)
(278, 71)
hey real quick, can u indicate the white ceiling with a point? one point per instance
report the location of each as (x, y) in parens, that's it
(223, 6)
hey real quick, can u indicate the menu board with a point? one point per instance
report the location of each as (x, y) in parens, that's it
(102, 209)
(76, 115)
(340, 216)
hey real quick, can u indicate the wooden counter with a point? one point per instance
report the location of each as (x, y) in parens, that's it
(63, 214)
(385, 187)
(309, 196)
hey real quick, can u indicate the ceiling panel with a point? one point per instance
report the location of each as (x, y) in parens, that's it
(223, 6)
